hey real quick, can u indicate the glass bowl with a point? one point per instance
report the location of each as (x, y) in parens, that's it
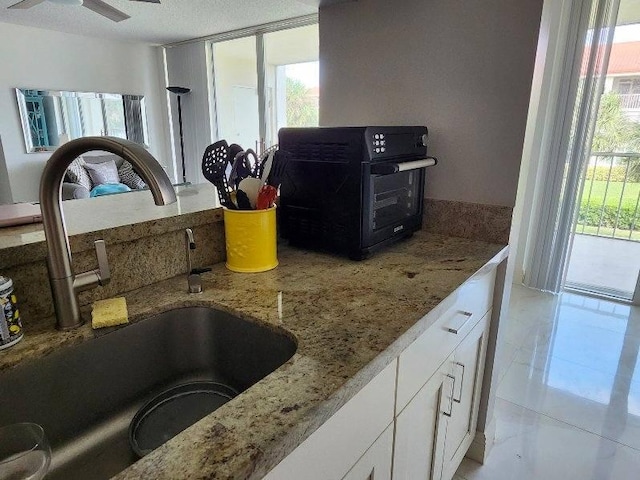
(24, 452)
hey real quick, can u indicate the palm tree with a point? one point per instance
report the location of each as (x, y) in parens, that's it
(302, 109)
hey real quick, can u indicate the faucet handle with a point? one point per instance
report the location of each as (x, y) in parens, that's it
(104, 272)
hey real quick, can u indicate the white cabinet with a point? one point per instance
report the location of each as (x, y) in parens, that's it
(332, 450)
(375, 464)
(460, 312)
(436, 428)
(467, 367)
(420, 431)
(421, 411)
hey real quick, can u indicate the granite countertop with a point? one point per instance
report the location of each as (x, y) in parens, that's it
(350, 320)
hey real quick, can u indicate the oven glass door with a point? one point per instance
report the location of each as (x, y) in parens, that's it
(394, 198)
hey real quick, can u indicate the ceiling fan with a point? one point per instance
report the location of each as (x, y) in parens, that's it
(97, 6)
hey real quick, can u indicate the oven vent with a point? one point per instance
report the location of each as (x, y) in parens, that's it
(324, 152)
(310, 229)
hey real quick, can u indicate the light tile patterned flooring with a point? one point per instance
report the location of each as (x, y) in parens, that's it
(568, 402)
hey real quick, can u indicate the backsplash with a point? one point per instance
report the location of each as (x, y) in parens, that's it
(149, 252)
(489, 223)
(139, 255)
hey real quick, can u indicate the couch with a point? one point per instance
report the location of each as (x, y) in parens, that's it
(88, 172)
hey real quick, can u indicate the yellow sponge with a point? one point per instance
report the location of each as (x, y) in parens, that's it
(108, 313)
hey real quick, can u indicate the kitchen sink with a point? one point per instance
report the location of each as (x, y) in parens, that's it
(85, 396)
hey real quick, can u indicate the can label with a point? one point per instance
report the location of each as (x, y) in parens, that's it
(10, 323)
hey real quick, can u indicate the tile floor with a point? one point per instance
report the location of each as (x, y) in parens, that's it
(568, 402)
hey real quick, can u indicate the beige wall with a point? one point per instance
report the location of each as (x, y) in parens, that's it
(462, 68)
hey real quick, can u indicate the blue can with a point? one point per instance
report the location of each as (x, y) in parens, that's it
(10, 323)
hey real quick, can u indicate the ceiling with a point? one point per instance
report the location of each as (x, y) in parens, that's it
(171, 21)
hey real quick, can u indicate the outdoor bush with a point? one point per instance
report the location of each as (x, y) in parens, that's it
(589, 214)
(602, 173)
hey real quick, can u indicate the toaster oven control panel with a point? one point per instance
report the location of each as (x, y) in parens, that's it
(389, 142)
(379, 143)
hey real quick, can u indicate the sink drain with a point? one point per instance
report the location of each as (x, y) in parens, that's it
(173, 410)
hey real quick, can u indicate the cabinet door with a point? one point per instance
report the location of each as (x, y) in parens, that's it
(375, 464)
(421, 428)
(468, 367)
(334, 448)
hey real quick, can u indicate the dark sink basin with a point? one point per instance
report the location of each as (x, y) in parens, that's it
(85, 397)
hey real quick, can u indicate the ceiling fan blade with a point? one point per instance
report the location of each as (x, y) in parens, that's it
(24, 4)
(105, 10)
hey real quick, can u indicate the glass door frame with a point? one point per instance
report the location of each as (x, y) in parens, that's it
(258, 32)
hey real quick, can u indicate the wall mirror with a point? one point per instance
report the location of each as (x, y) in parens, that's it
(53, 117)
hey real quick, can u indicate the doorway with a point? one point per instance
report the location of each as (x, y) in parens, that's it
(604, 256)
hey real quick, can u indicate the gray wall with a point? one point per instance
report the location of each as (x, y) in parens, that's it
(187, 66)
(44, 59)
(463, 68)
(5, 186)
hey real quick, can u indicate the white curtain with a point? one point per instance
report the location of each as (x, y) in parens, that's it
(588, 44)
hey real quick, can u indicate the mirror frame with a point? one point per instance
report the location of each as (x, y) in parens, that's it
(24, 118)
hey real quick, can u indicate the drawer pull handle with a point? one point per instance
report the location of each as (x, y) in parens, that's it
(453, 387)
(459, 399)
(460, 319)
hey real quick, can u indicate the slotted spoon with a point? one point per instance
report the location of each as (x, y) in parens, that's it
(214, 164)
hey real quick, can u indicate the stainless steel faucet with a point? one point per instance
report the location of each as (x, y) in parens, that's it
(65, 285)
(194, 281)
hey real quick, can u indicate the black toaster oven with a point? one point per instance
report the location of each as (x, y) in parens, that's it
(352, 190)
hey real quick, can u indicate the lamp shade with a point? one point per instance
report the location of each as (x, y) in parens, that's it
(179, 90)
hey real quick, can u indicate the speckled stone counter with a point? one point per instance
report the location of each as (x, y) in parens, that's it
(145, 244)
(350, 320)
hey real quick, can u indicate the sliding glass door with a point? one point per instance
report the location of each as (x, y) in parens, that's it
(605, 254)
(236, 91)
(263, 82)
(292, 79)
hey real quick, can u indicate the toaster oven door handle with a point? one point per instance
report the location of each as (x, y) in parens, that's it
(388, 168)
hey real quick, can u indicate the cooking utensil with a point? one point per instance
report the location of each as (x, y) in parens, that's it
(214, 163)
(252, 161)
(243, 200)
(280, 161)
(263, 159)
(266, 197)
(234, 149)
(251, 186)
(241, 169)
(265, 168)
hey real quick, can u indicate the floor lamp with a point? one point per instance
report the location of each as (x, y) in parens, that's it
(179, 91)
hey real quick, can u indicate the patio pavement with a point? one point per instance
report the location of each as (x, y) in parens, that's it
(604, 262)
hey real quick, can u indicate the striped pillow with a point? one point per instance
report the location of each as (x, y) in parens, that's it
(129, 177)
(77, 173)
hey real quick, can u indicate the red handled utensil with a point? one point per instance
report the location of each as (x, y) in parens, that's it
(266, 197)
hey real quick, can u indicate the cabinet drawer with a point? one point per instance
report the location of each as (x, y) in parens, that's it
(465, 307)
(331, 451)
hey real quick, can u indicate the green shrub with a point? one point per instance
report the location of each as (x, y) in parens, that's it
(618, 173)
(628, 219)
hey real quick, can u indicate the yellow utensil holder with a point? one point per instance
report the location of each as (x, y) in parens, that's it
(251, 240)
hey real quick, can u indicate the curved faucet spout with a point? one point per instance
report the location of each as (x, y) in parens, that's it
(64, 284)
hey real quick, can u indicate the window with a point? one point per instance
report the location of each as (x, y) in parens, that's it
(265, 81)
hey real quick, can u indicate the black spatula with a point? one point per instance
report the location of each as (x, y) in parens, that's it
(214, 164)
